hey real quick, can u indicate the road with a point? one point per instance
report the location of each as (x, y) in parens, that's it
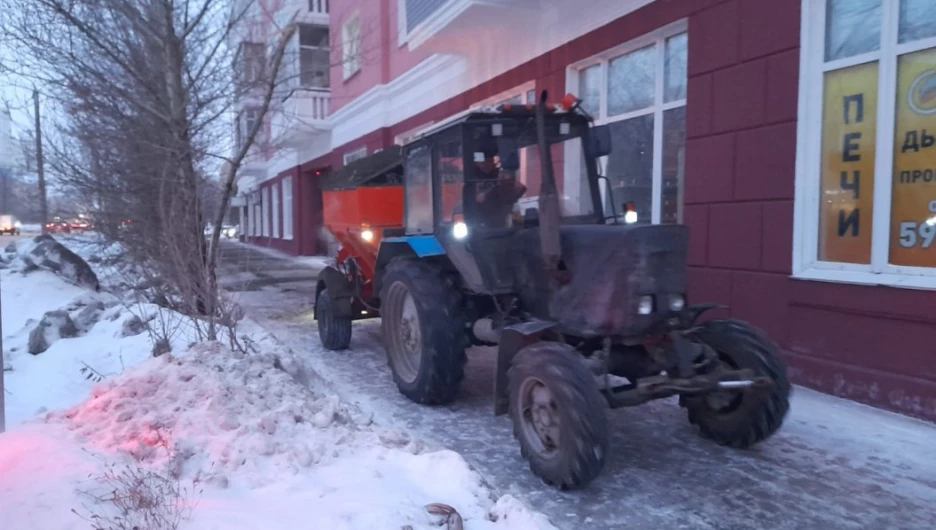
(834, 464)
(6, 240)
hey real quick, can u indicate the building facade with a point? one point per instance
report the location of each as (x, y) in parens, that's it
(794, 137)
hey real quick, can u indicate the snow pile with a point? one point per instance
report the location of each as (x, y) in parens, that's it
(268, 452)
(213, 409)
(46, 252)
(258, 448)
(100, 341)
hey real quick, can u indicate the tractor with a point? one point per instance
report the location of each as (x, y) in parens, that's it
(444, 239)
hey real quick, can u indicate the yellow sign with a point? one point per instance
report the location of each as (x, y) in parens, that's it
(913, 203)
(849, 124)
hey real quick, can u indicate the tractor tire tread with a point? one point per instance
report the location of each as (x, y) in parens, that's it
(443, 323)
(585, 428)
(334, 330)
(754, 350)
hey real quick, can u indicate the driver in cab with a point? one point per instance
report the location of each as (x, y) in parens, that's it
(498, 191)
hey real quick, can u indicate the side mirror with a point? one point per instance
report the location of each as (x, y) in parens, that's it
(600, 139)
(509, 151)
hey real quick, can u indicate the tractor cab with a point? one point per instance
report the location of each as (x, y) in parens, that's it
(482, 171)
(473, 186)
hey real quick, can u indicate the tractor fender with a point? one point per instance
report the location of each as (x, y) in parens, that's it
(422, 246)
(513, 338)
(339, 288)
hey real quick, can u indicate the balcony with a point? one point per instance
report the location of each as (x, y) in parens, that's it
(303, 113)
(306, 12)
(488, 27)
(432, 21)
(254, 165)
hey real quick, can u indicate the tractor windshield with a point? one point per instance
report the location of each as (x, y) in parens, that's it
(503, 175)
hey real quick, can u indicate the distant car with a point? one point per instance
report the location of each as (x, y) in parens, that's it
(80, 225)
(227, 231)
(58, 227)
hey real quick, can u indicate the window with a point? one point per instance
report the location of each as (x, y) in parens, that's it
(518, 96)
(451, 169)
(639, 90)
(265, 212)
(357, 154)
(418, 190)
(256, 222)
(351, 46)
(318, 6)
(415, 12)
(866, 168)
(245, 123)
(276, 211)
(287, 208)
(251, 62)
(314, 56)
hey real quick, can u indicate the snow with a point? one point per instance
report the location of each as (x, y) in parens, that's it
(254, 445)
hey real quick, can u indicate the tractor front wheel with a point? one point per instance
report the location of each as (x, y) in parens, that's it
(741, 418)
(423, 328)
(334, 330)
(558, 415)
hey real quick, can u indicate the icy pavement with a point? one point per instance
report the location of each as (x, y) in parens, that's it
(834, 465)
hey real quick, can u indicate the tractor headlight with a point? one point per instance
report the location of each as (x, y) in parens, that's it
(460, 230)
(18, 224)
(677, 302)
(630, 217)
(645, 306)
(367, 235)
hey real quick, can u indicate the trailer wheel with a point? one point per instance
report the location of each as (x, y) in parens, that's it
(423, 327)
(334, 330)
(558, 415)
(741, 419)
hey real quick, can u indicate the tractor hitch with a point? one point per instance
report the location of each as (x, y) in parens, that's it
(661, 386)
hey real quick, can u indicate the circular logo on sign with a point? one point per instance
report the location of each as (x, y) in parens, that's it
(922, 96)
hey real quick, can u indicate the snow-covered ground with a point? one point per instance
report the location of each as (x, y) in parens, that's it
(232, 440)
(835, 464)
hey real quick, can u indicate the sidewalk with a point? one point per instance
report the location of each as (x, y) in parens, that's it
(834, 465)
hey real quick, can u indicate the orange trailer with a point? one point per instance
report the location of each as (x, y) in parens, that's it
(361, 203)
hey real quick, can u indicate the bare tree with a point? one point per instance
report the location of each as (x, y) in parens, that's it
(145, 92)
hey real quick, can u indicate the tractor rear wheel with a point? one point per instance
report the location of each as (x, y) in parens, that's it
(334, 330)
(741, 418)
(424, 332)
(558, 415)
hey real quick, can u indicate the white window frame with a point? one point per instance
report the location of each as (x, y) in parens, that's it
(245, 121)
(356, 154)
(657, 37)
(806, 264)
(257, 215)
(313, 48)
(248, 218)
(402, 33)
(288, 208)
(276, 209)
(351, 46)
(265, 211)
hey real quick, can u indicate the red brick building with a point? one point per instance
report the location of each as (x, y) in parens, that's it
(794, 138)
